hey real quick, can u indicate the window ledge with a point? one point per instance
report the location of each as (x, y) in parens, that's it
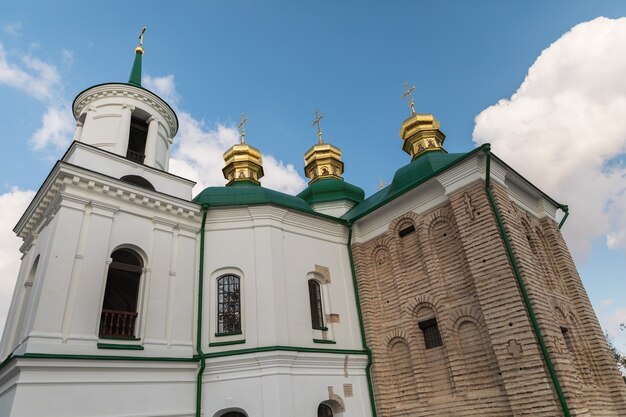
(330, 342)
(119, 346)
(228, 334)
(323, 328)
(231, 342)
(130, 339)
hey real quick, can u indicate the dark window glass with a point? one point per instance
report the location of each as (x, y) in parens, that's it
(228, 305)
(119, 308)
(315, 299)
(137, 140)
(432, 337)
(406, 231)
(324, 411)
(233, 414)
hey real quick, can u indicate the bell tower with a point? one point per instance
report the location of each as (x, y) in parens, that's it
(127, 119)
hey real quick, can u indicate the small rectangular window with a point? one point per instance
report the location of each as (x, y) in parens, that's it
(406, 231)
(432, 337)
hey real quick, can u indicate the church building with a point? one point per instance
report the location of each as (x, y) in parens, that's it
(449, 292)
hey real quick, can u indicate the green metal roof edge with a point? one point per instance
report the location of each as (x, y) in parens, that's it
(331, 189)
(397, 193)
(132, 85)
(281, 202)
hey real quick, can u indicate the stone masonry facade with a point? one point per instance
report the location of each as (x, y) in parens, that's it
(450, 265)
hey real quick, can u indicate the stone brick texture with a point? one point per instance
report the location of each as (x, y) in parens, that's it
(454, 267)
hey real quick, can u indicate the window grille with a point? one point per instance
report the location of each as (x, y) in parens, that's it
(432, 337)
(228, 305)
(315, 300)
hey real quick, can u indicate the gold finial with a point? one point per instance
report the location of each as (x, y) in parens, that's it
(407, 93)
(318, 118)
(242, 127)
(139, 48)
(381, 185)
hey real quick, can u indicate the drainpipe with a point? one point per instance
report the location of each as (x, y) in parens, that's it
(565, 210)
(368, 373)
(520, 281)
(200, 354)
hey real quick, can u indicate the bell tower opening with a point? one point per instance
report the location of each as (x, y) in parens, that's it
(137, 140)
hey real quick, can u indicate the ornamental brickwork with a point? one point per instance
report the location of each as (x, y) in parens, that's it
(450, 264)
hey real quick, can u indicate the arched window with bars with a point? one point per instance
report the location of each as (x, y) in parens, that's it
(228, 305)
(315, 301)
(121, 294)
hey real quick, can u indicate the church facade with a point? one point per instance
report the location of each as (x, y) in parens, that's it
(450, 292)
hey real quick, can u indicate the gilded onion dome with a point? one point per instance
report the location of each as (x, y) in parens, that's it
(243, 162)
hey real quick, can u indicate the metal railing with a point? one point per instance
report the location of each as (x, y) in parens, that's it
(135, 156)
(114, 323)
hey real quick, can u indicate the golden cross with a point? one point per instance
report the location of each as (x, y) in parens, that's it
(242, 127)
(143, 30)
(408, 92)
(318, 118)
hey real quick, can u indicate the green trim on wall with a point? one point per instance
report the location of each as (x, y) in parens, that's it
(103, 357)
(119, 346)
(283, 348)
(518, 276)
(329, 342)
(200, 353)
(231, 342)
(355, 285)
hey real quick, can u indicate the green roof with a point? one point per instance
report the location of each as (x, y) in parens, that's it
(407, 178)
(135, 72)
(244, 194)
(331, 189)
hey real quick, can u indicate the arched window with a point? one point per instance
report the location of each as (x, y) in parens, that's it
(228, 305)
(137, 180)
(315, 300)
(119, 309)
(324, 411)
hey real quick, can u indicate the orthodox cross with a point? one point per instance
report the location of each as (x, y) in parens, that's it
(318, 118)
(408, 92)
(242, 127)
(143, 30)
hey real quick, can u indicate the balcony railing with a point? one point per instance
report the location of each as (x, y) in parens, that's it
(135, 156)
(115, 323)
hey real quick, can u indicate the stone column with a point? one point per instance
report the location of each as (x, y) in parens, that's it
(79, 131)
(123, 130)
(151, 141)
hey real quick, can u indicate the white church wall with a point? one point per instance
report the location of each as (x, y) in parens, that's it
(116, 167)
(275, 260)
(285, 384)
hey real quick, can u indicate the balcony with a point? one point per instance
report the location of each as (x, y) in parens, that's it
(135, 156)
(115, 323)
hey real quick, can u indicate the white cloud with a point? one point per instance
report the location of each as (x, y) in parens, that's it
(31, 75)
(606, 302)
(57, 125)
(12, 205)
(164, 87)
(198, 152)
(13, 29)
(564, 129)
(67, 57)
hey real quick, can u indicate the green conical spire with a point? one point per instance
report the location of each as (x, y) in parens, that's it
(135, 73)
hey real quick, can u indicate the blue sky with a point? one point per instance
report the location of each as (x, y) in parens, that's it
(280, 61)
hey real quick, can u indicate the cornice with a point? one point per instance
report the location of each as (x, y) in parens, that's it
(92, 94)
(65, 179)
